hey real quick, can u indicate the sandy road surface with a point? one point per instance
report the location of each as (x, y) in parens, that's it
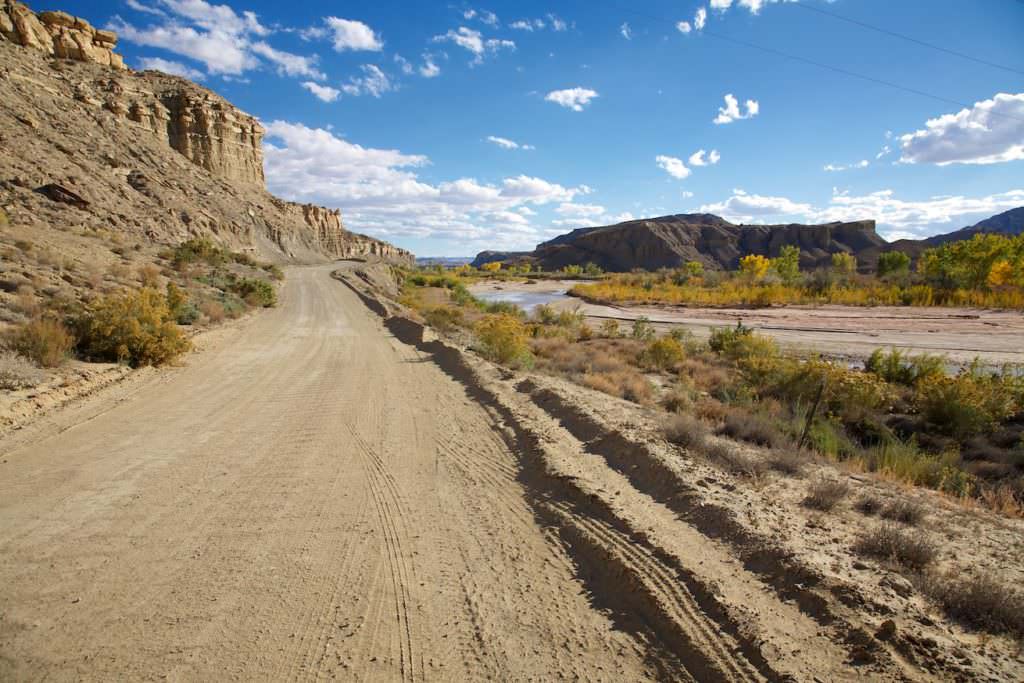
(312, 499)
(960, 334)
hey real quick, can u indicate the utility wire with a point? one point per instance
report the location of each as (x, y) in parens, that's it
(862, 24)
(821, 65)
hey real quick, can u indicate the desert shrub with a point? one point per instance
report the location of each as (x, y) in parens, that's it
(898, 368)
(444, 318)
(43, 340)
(904, 511)
(183, 311)
(131, 327)
(213, 310)
(752, 427)
(495, 307)
(254, 291)
(199, 249)
(740, 343)
(677, 400)
(789, 461)
(965, 405)
(686, 431)
(663, 353)
(609, 329)
(149, 275)
(642, 329)
(890, 543)
(274, 271)
(731, 459)
(3, 218)
(867, 505)
(978, 601)
(503, 339)
(824, 494)
(16, 372)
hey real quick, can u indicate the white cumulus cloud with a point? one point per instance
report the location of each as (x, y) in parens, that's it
(373, 82)
(352, 35)
(700, 19)
(673, 166)
(990, 132)
(684, 27)
(572, 98)
(287, 63)
(323, 92)
(731, 111)
(698, 158)
(742, 207)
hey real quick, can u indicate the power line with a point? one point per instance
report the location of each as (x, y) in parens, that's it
(822, 65)
(862, 24)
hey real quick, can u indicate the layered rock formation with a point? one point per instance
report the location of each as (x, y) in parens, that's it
(671, 241)
(143, 153)
(58, 34)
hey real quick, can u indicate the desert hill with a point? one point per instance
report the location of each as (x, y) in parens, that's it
(671, 241)
(90, 145)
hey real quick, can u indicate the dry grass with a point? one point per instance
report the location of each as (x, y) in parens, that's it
(789, 461)
(149, 275)
(686, 431)
(730, 458)
(17, 372)
(824, 494)
(889, 542)
(756, 429)
(904, 511)
(43, 340)
(213, 310)
(977, 601)
(868, 505)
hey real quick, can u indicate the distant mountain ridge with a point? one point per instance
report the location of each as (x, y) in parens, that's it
(671, 241)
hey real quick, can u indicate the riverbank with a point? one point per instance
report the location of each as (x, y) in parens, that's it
(853, 332)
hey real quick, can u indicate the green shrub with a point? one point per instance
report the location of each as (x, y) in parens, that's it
(642, 329)
(609, 329)
(274, 271)
(663, 353)
(199, 249)
(503, 339)
(967, 404)
(44, 340)
(444, 318)
(893, 263)
(131, 327)
(898, 368)
(739, 343)
(255, 292)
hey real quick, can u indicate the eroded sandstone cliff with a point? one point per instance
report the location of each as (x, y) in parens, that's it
(671, 241)
(143, 153)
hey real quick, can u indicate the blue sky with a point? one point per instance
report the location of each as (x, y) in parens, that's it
(449, 128)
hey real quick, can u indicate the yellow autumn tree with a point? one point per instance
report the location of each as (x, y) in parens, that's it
(754, 266)
(1000, 275)
(492, 267)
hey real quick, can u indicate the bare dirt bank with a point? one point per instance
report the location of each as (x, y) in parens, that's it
(994, 336)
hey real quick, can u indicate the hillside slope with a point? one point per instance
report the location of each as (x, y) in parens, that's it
(671, 241)
(91, 145)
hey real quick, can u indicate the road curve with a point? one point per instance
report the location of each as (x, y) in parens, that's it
(310, 499)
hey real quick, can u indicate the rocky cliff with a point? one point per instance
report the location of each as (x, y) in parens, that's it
(144, 153)
(671, 241)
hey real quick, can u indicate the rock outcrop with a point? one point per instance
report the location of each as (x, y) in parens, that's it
(147, 154)
(58, 34)
(671, 241)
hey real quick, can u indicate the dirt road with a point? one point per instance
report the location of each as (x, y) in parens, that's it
(309, 500)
